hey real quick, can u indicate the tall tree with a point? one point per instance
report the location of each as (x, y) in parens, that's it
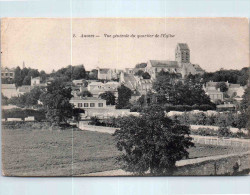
(124, 95)
(152, 142)
(56, 102)
(18, 77)
(245, 110)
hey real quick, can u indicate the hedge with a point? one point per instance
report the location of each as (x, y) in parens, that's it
(23, 113)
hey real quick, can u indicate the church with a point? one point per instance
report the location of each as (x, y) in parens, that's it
(181, 64)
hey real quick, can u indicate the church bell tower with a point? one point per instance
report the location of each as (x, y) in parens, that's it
(182, 53)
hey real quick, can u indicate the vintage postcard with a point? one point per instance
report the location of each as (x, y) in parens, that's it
(125, 96)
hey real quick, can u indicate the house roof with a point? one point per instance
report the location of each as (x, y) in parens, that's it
(197, 67)
(8, 86)
(234, 85)
(7, 69)
(96, 83)
(211, 84)
(214, 92)
(86, 98)
(130, 81)
(36, 78)
(104, 70)
(164, 63)
(183, 46)
(24, 88)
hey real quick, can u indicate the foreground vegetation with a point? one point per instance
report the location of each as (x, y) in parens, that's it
(50, 152)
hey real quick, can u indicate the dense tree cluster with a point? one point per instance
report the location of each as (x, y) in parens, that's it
(70, 73)
(170, 89)
(23, 76)
(232, 76)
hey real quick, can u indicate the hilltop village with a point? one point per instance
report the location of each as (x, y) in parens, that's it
(97, 91)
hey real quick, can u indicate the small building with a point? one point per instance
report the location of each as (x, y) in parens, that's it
(215, 95)
(9, 90)
(108, 74)
(80, 82)
(23, 89)
(35, 81)
(8, 73)
(88, 102)
(235, 90)
(97, 88)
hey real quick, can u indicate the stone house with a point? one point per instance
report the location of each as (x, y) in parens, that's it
(88, 102)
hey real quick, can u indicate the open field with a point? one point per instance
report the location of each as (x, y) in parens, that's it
(50, 153)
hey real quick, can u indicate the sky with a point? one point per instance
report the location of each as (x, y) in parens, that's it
(51, 43)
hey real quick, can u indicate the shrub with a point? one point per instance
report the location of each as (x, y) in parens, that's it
(205, 132)
(224, 132)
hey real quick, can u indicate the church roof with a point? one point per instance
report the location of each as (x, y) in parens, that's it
(164, 63)
(183, 46)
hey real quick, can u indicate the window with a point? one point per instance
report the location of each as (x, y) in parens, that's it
(11, 74)
(79, 105)
(2, 74)
(6, 74)
(86, 104)
(92, 104)
(100, 104)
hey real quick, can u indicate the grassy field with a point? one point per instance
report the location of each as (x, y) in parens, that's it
(50, 153)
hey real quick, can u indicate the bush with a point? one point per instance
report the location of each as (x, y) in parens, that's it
(205, 132)
(224, 132)
(136, 108)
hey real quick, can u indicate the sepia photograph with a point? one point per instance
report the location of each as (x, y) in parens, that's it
(88, 97)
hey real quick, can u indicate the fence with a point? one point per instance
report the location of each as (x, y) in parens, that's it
(208, 140)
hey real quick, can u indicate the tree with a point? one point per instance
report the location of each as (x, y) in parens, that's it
(152, 142)
(139, 72)
(27, 80)
(222, 86)
(86, 93)
(4, 100)
(18, 78)
(34, 95)
(245, 110)
(109, 97)
(124, 95)
(93, 74)
(141, 65)
(146, 75)
(79, 72)
(171, 90)
(56, 102)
